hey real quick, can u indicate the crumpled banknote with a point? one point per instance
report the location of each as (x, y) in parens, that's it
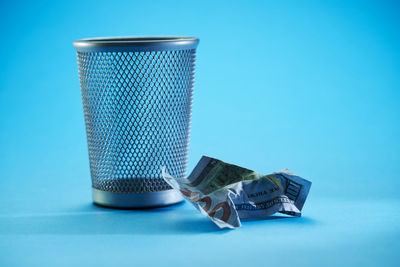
(226, 193)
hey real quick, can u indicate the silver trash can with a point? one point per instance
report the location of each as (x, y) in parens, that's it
(137, 100)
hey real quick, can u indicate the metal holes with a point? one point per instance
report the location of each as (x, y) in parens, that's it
(137, 109)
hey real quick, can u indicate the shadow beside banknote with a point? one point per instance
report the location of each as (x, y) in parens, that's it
(279, 219)
(93, 220)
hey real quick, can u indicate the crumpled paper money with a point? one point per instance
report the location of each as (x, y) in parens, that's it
(226, 193)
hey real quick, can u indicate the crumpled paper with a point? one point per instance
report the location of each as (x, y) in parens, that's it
(226, 193)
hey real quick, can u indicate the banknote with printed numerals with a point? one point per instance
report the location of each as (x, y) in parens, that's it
(226, 193)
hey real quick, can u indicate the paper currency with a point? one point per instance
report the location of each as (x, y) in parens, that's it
(225, 192)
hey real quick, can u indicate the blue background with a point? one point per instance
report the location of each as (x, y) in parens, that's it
(313, 86)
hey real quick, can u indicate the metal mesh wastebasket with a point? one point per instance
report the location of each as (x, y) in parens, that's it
(137, 100)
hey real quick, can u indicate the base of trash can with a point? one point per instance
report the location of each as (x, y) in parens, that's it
(136, 200)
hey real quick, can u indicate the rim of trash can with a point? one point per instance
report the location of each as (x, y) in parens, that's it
(130, 43)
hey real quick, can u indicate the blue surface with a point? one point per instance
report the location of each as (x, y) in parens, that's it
(313, 87)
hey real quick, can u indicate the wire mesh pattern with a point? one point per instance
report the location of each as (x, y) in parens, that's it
(137, 108)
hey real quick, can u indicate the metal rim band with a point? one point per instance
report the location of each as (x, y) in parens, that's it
(136, 200)
(126, 44)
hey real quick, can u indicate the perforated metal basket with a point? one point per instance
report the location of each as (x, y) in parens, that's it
(137, 100)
